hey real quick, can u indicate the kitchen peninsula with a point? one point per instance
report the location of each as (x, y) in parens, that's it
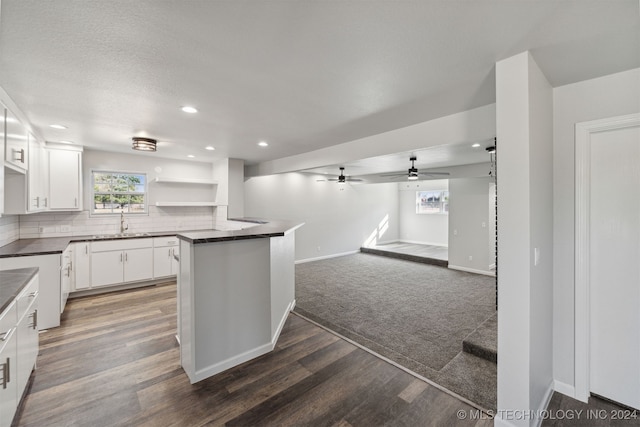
(235, 290)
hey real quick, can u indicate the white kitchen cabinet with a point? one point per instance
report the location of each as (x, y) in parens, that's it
(38, 176)
(119, 261)
(8, 368)
(66, 276)
(164, 263)
(65, 179)
(16, 152)
(27, 335)
(50, 270)
(82, 265)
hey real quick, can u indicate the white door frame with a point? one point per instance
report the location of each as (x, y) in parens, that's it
(583, 134)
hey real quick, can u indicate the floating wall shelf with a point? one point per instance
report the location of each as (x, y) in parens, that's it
(185, 181)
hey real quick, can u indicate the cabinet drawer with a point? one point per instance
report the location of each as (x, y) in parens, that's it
(159, 242)
(8, 320)
(121, 245)
(27, 296)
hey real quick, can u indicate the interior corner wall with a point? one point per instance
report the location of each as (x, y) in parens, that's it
(427, 229)
(338, 218)
(469, 227)
(524, 106)
(236, 188)
(603, 97)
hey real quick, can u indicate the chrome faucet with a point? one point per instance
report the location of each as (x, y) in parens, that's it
(122, 226)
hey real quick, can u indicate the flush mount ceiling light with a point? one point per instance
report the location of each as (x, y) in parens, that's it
(144, 144)
(190, 110)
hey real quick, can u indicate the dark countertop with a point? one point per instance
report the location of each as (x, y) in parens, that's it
(263, 229)
(57, 245)
(12, 282)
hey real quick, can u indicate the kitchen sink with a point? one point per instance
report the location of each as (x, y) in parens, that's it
(120, 235)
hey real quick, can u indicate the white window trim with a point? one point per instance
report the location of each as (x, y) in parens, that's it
(92, 213)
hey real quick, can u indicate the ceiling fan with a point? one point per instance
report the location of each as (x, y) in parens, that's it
(341, 177)
(413, 174)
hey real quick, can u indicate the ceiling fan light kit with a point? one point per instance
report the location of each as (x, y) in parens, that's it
(342, 178)
(143, 144)
(412, 173)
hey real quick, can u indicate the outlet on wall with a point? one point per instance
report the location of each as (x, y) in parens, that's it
(65, 228)
(318, 248)
(470, 258)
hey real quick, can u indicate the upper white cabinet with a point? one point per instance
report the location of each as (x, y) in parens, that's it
(65, 179)
(37, 176)
(16, 143)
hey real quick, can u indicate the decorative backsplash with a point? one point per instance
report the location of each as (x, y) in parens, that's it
(57, 224)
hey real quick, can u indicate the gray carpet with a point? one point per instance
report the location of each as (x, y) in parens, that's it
(415, 314)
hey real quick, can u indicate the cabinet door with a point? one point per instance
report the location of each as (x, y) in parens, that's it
(162, 261)
(106, 268)
(8, 384)
(16, 143)
(82, 266)
(27, 340)
(175, 265)
(35, 202)
(138, 264)
(64, 179)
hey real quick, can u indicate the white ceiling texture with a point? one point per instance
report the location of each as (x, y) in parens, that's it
(301, 75)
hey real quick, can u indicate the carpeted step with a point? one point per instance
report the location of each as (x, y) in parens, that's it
(483, 342)
(407, 257)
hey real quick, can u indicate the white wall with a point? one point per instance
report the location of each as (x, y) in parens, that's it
(469, 228)
(338, 218)
(236, 188)
(428, 229)
(524, 108)
(608, 96)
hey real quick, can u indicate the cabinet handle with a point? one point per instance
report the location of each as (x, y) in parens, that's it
(37, 200)
(126, 257)
(75, 202)
(6, 372)
(121, 257)
(5, 335)
(34, 316)
(33, 294)
(86, 249)
(20, 158)
(45, 202)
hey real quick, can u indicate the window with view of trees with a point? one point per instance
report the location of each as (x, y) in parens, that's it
(116, 192)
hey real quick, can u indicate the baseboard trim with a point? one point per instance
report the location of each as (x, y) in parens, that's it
(123, 287)
(417, 242)
(285, 315)
(564, 388)
(302, 261)
(472, 270)
(544, 404)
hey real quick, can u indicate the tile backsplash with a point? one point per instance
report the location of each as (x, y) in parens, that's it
(9, 229)
(57, 224)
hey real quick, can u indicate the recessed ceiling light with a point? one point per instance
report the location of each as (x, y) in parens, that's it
(476, 145)
(66, 142)
(188, 109)
(57, 126)
(262, 144)
(210, 148)
(191, 156)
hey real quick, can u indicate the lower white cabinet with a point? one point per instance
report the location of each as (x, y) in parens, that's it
(18, 349)
(164, 262)
(8, 368)
(82, 265)
(50, 289)
(119, 261)
(27, 335)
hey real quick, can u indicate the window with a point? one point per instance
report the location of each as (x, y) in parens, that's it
(115, 192)
(432, 202)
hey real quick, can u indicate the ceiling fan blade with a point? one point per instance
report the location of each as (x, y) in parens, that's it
(434, 173)
(353, 179)
(393, 174)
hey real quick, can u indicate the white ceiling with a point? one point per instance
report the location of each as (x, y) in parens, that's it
(300, 75)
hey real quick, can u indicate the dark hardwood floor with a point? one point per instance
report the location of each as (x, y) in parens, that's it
(114, 361)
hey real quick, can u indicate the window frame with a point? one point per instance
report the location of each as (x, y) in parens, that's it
(444, 202)
(144, 194)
